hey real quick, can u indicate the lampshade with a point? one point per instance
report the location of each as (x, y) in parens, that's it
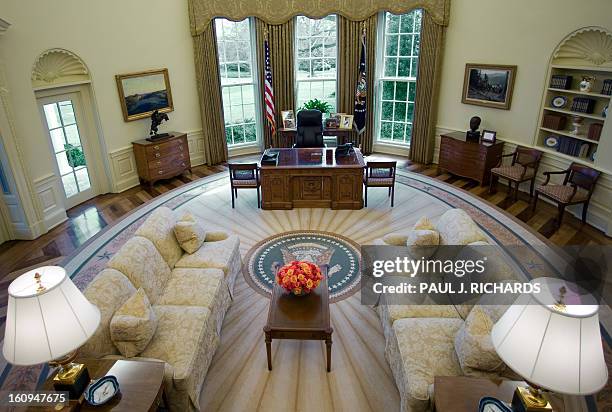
(47, 317)
(555, 346)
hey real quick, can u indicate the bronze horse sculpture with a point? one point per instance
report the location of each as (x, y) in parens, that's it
(156, 119)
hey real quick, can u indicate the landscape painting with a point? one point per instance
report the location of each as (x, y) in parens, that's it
(144, 92)
(488, 85)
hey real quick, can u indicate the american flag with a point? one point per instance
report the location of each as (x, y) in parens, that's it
(268, 91)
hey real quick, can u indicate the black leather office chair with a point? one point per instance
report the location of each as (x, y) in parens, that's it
(309, 129)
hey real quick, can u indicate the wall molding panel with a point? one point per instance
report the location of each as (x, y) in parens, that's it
(600, 212)
(196, 147)
(50, 196)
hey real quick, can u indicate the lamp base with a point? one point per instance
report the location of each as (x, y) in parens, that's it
(529, 400)
(71, 378)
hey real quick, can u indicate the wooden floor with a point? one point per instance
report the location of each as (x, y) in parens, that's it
(87, 219)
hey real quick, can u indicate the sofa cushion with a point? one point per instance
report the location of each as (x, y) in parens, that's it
(193, 287)
(456, 227)
(189, 233)
(108, 291)
(133, 325)
(473, 344)
(422, 311)
(422, 349)
(424, 224)
(212, 255)
(396, 239)
(422, 243)
(159, 229)
(140, 261)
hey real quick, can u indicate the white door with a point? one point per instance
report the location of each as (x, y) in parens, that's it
(64, 121)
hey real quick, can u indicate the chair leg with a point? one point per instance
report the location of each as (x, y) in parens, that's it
(236, 191)
(233, 191)
(258, 198)
(585, 207)
(531, 187)
(516, 191)
(389, 194)
(561, 212)
(392, 194)
(366, 196)
(535, 201)
(492, 183)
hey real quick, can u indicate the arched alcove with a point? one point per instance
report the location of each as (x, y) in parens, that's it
(589, 46)
(56, 67)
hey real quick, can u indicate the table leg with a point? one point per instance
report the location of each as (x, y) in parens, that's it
(328, 344)
(269, 350)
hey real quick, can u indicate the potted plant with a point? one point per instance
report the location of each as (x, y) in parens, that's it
(323, 107)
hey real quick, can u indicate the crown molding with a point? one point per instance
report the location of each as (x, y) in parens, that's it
(4, 25)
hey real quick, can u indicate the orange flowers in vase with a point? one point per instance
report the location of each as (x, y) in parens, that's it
(299, 278)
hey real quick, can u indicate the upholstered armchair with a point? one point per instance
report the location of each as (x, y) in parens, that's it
(524, 166)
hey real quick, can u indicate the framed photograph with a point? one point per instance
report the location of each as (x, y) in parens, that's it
(144, 92)
(288, 119)
(488, 85)
(488, 136)
(346, 121)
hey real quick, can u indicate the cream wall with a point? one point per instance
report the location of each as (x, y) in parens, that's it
(112, 37)
(518, 32)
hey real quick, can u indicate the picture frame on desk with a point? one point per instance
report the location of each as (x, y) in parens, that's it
(346, 121)
(288, 118)
(488, 136)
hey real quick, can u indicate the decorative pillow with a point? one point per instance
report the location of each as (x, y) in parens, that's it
(189, 233)
(133, 325)
(474, 347)
(423, 243)
(424, 224)
(395, 239)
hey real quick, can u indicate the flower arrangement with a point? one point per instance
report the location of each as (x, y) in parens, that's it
(299, 278)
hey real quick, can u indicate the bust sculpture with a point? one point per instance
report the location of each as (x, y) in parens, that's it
(473, 134)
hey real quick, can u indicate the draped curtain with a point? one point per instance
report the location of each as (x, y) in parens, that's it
(209, 92)
(349, 51)
(425, 105)
(280, 40)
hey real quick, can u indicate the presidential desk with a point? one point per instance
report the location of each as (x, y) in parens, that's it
(312, 178)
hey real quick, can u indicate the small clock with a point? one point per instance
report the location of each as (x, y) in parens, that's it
(100, 391)
(558, 102)
(552, 142)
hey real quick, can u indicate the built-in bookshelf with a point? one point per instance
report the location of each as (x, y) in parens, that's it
(577, 124)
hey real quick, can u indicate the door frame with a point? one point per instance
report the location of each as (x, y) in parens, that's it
(88, 131)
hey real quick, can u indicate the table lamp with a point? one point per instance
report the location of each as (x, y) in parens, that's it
(47, 320)
(552, 339)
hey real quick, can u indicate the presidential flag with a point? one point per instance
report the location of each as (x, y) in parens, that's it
(268, 91)
(359, 121)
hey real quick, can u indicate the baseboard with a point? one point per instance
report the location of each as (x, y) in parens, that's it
(599, 214)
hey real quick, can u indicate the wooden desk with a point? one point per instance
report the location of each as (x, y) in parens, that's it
(141, 384)
(299, 317)
(468, 159)
(305, 178)
(462, 393)
(286, 137)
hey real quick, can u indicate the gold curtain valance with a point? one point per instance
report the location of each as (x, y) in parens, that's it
(201, 12)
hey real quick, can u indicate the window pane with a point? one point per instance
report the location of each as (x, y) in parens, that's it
(70, 186)
(62, 163)
(316, 57)
(238, 132)
(52, 115)
(250, 132)
(57, 138)
(396, 108)
(67, 112)
(72, 135)
(82, 178)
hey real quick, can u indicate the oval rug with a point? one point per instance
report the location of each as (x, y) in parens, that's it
(341, 254)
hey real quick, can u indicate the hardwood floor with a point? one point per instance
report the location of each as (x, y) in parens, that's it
(87, 219)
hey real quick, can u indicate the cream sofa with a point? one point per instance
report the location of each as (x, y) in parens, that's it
(420, 339)
(190, 295)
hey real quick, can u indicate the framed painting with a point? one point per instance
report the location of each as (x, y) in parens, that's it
(488, 85)
(144, 92)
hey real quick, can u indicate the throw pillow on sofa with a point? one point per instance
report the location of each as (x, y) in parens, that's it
(189, 233)
(423, 243)
(133, 325)
(424, 224)
(473, 344)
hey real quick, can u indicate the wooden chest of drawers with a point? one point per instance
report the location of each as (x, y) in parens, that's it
(162, 159)
(468, 159)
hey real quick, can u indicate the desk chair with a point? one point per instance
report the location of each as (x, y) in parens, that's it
(380, 174)
(244, 176)
(309, 129)
(578, 185)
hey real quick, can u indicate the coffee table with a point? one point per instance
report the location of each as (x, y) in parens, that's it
(299, 317)
(141, 384)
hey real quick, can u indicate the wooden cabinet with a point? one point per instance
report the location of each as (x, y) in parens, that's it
(468, 159)
(162, 159)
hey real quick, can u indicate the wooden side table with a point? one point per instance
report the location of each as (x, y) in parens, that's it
(462, 393)
(141, 384)
(299, 317)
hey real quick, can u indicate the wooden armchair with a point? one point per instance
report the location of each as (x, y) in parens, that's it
(578, 185)
(380, 174)
(244, 176)
(524, 166)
